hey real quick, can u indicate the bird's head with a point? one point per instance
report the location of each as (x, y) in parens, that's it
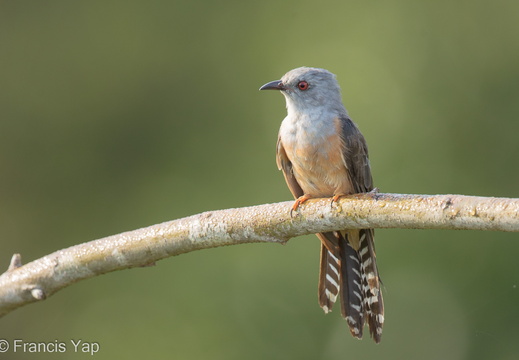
(308, 88)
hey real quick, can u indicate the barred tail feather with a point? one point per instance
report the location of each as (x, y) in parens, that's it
(329, 279)
(348, 267)
(351, 289)
(372, 294)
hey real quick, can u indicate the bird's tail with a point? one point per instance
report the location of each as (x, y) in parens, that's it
(348, 267)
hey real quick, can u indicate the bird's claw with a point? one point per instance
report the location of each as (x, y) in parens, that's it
(336, 198)
(298, 203)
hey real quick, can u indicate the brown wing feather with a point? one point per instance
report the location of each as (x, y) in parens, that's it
(285, 165)
(355, 156)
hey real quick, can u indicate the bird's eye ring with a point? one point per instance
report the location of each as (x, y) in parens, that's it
(302, 85)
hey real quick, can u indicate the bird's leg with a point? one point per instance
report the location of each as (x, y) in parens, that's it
(298, 202)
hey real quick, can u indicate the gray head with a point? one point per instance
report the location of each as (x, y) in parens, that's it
(308, 88)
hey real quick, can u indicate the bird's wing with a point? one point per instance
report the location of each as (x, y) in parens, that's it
(355, 156)
(285, 165)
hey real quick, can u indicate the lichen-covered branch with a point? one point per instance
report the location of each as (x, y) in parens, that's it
(37, 280)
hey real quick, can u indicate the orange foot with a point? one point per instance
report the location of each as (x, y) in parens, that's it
(336, 198)
(298, 202)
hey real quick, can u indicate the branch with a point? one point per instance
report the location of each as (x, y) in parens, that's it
(37, 280)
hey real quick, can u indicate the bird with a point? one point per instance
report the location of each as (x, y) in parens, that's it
(323, 154)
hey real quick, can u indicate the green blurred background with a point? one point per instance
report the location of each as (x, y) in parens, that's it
(119, 115)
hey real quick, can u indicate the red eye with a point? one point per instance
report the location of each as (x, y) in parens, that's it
(302, 85)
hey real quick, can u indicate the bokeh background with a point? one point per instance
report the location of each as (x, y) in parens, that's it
(117, 115)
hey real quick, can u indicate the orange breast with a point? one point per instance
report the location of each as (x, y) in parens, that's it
(319, 168)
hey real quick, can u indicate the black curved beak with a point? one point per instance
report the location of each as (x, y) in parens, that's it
(273, 85)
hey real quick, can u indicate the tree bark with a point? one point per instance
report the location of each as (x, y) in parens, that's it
(39, 279)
